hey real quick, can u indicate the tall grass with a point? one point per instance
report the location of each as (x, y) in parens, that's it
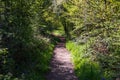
(85, 68)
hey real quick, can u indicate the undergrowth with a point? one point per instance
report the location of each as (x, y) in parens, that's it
(90, 63)
(85, 68)
(29, 64)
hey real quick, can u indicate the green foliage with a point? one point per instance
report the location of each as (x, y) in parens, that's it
(102, 52)
(3, 59)
(92, 17)
(9, 76)
(88, 70)
(95, 53)
(85, 68)
(96, 29)
(25, 31)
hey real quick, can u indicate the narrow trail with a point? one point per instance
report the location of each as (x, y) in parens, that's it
(61, 66)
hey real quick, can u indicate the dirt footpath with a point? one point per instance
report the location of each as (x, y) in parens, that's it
(61, 66)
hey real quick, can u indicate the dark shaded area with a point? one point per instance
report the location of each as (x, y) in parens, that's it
(61, 66)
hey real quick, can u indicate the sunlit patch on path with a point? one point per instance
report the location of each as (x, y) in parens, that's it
(61, 66)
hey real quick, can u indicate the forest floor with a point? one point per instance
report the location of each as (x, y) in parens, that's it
(61, 65)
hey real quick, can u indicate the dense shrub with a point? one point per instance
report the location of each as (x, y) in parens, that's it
(95, 28)
(86, 57)
(25, 31)
(9, 76)
(85, 68)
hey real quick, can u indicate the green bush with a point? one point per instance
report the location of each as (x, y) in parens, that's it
(88, 70)
(6, 62)
(85, 68)
(3, 59)
(39, 58)
(32, 61)
(9, 76)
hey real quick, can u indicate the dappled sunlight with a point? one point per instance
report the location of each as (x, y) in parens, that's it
(60, 39)
(61, 66)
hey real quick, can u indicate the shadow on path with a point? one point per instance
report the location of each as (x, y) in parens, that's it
(61, 66)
